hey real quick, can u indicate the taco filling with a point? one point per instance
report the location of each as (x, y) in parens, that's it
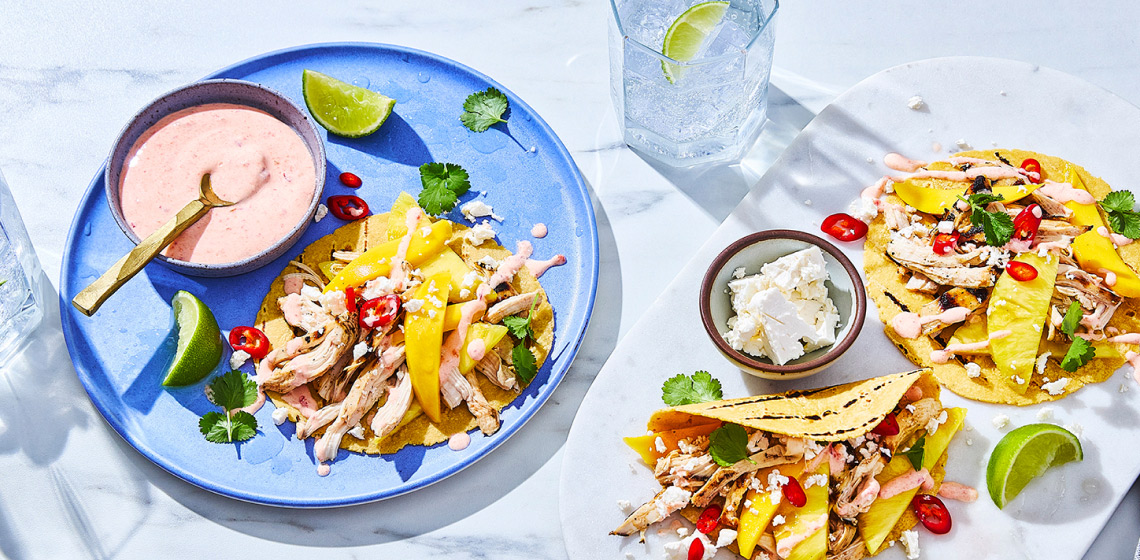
(1009, 273)
(399, 329)
(826, 473)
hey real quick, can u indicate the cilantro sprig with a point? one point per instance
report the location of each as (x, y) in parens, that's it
(1118, 206)
(1081, 350)
(998, 226)
(231, 391)
(916, 452)
(521, 356)
(728, 445)
(483, 109)
(685, 389)
(443, 183)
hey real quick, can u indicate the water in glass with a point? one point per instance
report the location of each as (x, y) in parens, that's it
(21, 299)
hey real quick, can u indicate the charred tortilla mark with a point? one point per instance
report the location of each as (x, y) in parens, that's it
(1002, 158)
(896, 301)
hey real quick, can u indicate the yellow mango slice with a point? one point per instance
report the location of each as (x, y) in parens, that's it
(933, 200)
(448, 260)
(377, 261)
(804, 520)
(1020, 308)
(423, 334)
(970, 333)
(976, 332)
(876, 523)
(331, 268)
(398, 217)
(755, 518)
(646, 445)
(488, 333)
(1092, 250)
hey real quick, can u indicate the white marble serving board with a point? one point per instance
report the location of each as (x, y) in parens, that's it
(982, 102)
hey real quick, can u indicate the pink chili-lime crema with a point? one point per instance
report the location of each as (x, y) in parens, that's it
(253, 159)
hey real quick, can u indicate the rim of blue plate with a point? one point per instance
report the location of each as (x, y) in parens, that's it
(68, 313)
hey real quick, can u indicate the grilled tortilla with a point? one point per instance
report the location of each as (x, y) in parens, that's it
(360, 235)
(886, 286)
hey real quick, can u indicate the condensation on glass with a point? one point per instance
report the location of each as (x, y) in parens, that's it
(21, 296)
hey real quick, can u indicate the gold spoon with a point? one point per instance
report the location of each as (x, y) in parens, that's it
(93, 296)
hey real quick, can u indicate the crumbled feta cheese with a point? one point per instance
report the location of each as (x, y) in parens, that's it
(807, 202)
(945, 226)
(469, 279)
(1077, 429)
(679, 550)
(1057, 387)
(480, 233)
(660, 445)
(963, 144)
(359, 350)
(310, 292)
(910, 408)
(280, 415)
(1045, 414)
(478, 209)
(973, 370)
(739, 272)
(916, 103)
(934, 423)
(487, 261)
(889, 187)
(413, 305)
(1017, 378)
(238, 358)
(322, 211)
(672, 500)
(1123, 387)
(776, 481)
(815, 480)
(630, 556)
(425, 231)
(909, 541)
(378, 287)
(625, 506)
(863, 209)
(1001, 421)
(725, 538)
(357, 432)
(334, 302)
(778, 520)
(682, 532)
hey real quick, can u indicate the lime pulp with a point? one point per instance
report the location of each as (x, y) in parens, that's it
(342, 108)
(199, 346)
(689, 31)
(1026, 453)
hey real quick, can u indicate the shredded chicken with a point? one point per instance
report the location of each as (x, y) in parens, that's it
(363, 395)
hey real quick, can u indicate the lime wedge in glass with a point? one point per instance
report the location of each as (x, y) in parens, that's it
(684, 38)
(344, 109)
(1026, 453)
(199, 341)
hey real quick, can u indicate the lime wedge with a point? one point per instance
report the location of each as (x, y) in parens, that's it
(684, 38)
(1026, 453)
(344, 109)
(199, 341)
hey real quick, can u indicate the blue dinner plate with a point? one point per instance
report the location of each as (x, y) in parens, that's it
(121, 353)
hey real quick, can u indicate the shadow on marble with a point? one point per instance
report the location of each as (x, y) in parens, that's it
(718, 188)
(398, 144)
(476, 488)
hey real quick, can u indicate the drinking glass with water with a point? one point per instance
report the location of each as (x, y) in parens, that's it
(21, 299)
(689, 78)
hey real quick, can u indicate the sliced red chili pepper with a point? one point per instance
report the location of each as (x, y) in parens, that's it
(379, 312)
(1033, 166)
(348, 207)
(794, 493)
(932, 513)
(1020, 271)
(888, 427)
(844, 227)
(350, 180)
(708, 519)
(696, 550)
(1026, 223)
(944, 243)
(250, 340)
(350, 299)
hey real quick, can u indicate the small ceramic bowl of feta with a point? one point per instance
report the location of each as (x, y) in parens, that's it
(782, 304)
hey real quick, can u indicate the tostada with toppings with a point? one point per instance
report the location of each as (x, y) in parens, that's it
(837, 472)
(1009, 273)
(402, 329)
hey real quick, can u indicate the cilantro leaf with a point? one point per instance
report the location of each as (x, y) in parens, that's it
(233, 390)
(728, 445)
(483, 109)
(916, 452)
(442, 183)
(1118, 206)
(1118, 201)
(683, 389)
(244, 425)
(520, 326)
(1072, 319)
(524, 362)
(215, 426)
(998, 226)
(1079, 354)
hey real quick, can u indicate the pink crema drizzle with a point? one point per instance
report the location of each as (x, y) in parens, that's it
(898, 162)
(1064, 192)
(909, 325)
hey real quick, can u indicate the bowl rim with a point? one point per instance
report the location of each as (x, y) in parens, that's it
(735, 247)
(316, 151)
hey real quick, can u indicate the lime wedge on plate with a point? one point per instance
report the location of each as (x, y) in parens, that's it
(1026, 453)
(199, 341)
(684, 38)
(344, 109)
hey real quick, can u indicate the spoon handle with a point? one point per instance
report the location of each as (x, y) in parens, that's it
(93, 296)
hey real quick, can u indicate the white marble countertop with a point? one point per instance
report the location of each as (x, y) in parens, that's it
(71, 73)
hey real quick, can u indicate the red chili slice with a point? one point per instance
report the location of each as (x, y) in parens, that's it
(944, 243)
(1033, 166)
(250, 340)
(932, 513)
(1022, 272)
(888, 427)
(350, 299)
(350, 180)
(1026, 223)
(379, 312)
(794, 492)
(696, 550)
(708, 519)
(844, 227)
(348, 207)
